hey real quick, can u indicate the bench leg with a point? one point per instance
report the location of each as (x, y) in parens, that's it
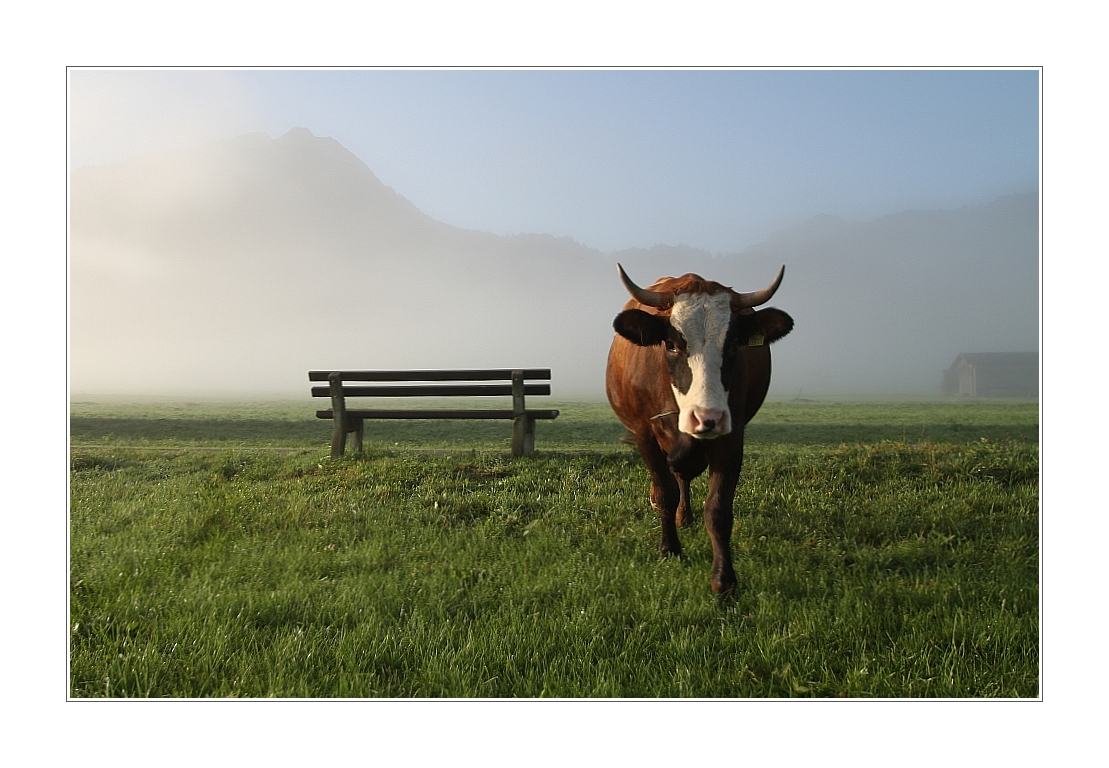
(356, 432)
(338, 438)
(519, 427)
(338, 414)
(523, 436)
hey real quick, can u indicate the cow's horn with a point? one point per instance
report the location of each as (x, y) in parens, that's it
(755, 298)
(642, 295)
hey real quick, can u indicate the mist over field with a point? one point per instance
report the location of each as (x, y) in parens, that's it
(239, 266)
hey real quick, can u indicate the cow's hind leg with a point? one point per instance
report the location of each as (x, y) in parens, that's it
(686, 462)
(665, 494)
(684, 518)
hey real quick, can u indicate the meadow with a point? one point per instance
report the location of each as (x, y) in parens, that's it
(883, 550)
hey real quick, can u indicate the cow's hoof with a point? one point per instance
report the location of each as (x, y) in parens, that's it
(724, 585)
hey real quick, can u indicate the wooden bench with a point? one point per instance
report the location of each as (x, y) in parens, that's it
(530, 381)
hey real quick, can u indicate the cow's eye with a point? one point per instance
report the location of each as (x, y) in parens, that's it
(670, 346)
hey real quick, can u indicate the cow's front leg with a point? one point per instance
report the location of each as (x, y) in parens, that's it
(718, 522)
(719, 518)
(665, 494)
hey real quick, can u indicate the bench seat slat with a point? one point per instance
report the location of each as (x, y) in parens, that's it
(500, 374)
(363, 413)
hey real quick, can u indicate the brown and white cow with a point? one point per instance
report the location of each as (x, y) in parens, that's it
(689, 367)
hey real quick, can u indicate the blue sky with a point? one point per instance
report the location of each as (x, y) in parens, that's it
(614, 159)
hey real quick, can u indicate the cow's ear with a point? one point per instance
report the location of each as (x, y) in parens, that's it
(641, 327)
(774, 323)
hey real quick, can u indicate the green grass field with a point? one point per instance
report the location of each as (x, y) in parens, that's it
(883, 550)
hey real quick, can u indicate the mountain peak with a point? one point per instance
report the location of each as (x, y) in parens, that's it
(259, 182)
(297, 133)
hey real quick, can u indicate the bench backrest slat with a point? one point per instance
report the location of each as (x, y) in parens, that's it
(433, 390)
(505, 374)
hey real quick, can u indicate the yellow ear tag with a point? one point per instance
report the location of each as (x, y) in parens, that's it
(757, 340)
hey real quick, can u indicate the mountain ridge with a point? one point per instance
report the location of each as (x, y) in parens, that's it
(248, 250)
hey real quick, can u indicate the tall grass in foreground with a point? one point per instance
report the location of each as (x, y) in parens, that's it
(894, 567)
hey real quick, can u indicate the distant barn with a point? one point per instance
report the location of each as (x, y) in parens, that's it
(993, 374)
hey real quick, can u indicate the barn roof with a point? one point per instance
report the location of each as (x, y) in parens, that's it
(998, 358)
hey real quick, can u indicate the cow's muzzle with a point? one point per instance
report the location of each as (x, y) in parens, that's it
(705, 424)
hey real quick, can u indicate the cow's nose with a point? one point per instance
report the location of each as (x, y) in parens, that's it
(705, 422)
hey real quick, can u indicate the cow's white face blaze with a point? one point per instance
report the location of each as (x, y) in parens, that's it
(701, 320)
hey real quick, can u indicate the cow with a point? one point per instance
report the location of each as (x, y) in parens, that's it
(688, 369)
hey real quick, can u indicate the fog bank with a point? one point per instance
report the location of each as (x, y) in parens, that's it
(239, 267)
